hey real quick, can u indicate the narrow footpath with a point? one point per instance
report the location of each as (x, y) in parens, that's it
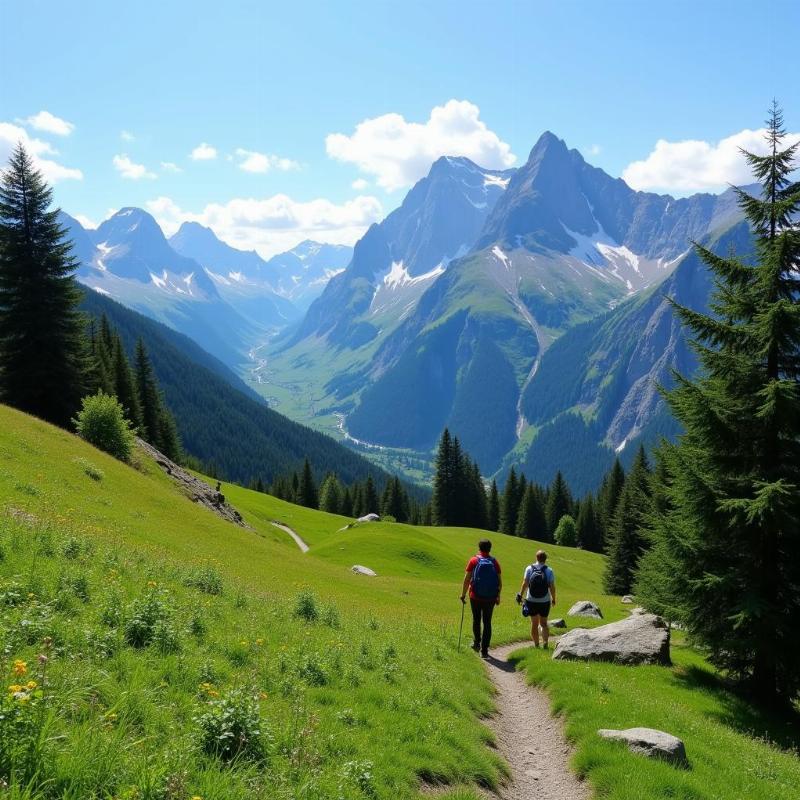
(286, 529)
(529, 738)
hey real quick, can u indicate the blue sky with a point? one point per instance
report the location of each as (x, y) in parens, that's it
(132, 90)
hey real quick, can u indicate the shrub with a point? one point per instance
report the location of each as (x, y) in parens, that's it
(206, 579)
(306, 607)
(566, 533)
(101, 422)
(145, 616)
(230, 727)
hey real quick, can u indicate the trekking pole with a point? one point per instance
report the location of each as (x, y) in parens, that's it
(461, 627)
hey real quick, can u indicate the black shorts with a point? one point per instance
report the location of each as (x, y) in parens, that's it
(538, 609)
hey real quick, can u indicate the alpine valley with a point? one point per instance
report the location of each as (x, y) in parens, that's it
(526, 310)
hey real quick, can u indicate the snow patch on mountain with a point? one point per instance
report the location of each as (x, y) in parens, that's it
(499, 254)
(398, 276)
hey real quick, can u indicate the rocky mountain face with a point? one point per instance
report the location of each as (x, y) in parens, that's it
(399, 258)
(552, 252)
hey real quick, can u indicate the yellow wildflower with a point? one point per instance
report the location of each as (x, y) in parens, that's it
(259, 642)
(14, 688)
(20, 668)
(263, 695)
(31, 685)
(151, 584)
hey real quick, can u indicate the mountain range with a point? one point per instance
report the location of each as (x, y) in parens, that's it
(524, 309)
(448, 310)
(226, 299)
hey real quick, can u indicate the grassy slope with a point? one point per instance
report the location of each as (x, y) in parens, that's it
(362, 707)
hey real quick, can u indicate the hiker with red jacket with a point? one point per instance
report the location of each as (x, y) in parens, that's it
(484, 583)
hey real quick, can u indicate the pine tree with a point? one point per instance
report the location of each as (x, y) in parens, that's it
(330, 494)
(168, 436)
(307, 490)
(493, 508)
(444, 480)
(627, 539)
(346, 504)
(531, 520)
(148, 396)
(588, 524)
(43, 355)
(608, 497)
(260, 485)
(729, 528)
(559, 503)
(295, 488)
(394, 502)
(370, 497)
(124, 385)
(509, 507)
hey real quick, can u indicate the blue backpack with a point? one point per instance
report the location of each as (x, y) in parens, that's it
(485, 580)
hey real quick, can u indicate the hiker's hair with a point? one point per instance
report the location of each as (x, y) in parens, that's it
(485, 546)
(541, 556)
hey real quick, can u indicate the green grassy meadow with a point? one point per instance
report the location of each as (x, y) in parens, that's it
(175, 655)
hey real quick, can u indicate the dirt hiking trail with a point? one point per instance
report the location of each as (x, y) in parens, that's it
(297, 539)
(529, 738)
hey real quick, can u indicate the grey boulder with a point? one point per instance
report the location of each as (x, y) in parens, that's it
(369, 518)
(557, 623)
(585, 608)
(628, 598)
(360, 570)
(639, 639)
(651, 743)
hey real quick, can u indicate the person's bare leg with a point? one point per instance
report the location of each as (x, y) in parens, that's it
(535, 629)
(545, 632)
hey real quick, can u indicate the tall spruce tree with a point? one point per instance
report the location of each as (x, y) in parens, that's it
(43, 354)
(627, 540)
(307, 488)
(509, 508)
(559, 504)
(124, 384)
(371, 503)
(531, 520)
(589, 532)
(443, 504)
(608, 497)
(330, 494)
(149, 399)
(728, 534)
(493, 508)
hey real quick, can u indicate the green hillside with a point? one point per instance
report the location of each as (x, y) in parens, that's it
(166, 628)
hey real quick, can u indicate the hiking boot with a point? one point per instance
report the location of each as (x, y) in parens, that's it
(546, 646)
(476, 646)
(484, 654)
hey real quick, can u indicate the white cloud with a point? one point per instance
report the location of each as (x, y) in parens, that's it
(359, 184)
(251, 161)
(168, 166)
(129, 169)
(127, 136)
(275, 224)
(87, 223)
(398, 152)
(53, 172)
(695, 165)
(203, 152)
(49, 123)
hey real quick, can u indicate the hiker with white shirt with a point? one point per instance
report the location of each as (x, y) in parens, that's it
(538, 592)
